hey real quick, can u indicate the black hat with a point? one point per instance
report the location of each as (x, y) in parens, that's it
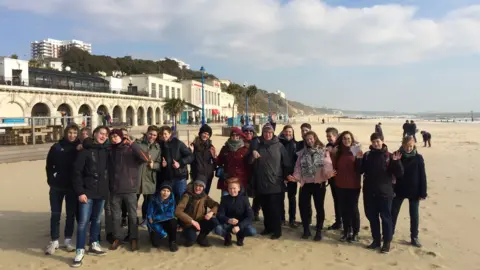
(205, 128)
(200, 180)
(167, 186)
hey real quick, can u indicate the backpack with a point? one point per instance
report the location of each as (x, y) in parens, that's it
(387, 161)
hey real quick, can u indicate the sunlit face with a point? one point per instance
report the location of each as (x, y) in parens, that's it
(235, 137)
(115, 139)
(268, 135)
(72, 135)
(310, 140)
(152, 136)
(377, 144)
(409, 146)
(84, 135)
(233, 189)
(198, 189)
(331, 138)
(165, 193)
(304, 131)
(204, 136)
(288, 133)
(347, 140)
(101, 136)
(166, 135)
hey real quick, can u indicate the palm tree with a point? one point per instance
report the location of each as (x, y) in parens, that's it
(252, 92)
(174, 107)
(236, 91)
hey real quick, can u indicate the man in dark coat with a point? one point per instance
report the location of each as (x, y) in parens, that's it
(287, 138)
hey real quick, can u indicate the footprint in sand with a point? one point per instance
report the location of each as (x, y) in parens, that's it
(436, 266)
(420, 252)
(459, 206)
(435, 203)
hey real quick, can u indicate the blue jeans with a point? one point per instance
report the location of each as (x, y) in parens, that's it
(89, 212)
(179, 187)
(223, 229)
(206, 226)
(56, 202)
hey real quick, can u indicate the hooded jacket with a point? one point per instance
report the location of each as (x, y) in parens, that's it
(59, 165)
(203, 162)
(148, 176)
(413, 183)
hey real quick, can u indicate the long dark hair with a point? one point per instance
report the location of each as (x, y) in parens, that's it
(317, 142)
(339, 143)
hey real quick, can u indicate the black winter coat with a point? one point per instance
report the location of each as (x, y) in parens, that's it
(203, 162)
(378, 169)
(174, 149)
(413, 183)
(60, 160)
(235, 207)
(270, 170)
(90, 174)
(123, 167)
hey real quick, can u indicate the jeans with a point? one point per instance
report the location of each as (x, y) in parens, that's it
(208, 185)
(178, 187)
(317, 191)
(108, 217)
(223, 229)
(170, 227)
(336, 201)
(292, 202)
(349, 206)
(56, 201)
(146, 200)
(130, 200)
(376, 206)
(414, 205)
(89, 213)
(206, 226)
(271, 206)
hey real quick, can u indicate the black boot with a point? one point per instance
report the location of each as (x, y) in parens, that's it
(173, 246)
(354, 238)
(306, 233)
(344, 236)
(415, 242)
(227, 240)
(386, 247)
(374, 245)
(256, 217)
(240, 240)
(350, 237)
(203, 241)
(110, 238)
(318, 235)
(335, 226)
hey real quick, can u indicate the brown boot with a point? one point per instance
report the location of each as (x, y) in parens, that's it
(134, 245)
(115, 245)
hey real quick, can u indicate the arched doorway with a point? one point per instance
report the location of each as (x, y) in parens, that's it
(130, 115)
(140, 116)
(102, 112)
(117, 114)
(41, 110)
(86, 111)
(157, 116)
(150, 116)
(67, 114)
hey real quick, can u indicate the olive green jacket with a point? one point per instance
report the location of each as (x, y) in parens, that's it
(148, 176)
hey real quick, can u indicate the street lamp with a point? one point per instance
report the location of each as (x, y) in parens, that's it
(246, 102)
(202, 69)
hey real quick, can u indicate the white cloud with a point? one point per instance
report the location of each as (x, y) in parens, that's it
(270, 34)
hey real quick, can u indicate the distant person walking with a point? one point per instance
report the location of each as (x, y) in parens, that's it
(413, 130)
(378, 129)
(406, 128)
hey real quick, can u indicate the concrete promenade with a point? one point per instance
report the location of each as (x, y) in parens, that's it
(17, 153)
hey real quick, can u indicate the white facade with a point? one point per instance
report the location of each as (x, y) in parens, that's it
(226, 82)
(52, 48)
(116, 84)
(157, 85)
(280, 93)
(57, 65)
(226, 104)
(14, 70)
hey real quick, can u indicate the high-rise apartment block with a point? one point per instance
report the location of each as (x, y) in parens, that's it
(52, 48)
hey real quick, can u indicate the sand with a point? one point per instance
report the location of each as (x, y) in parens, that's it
(449, 220)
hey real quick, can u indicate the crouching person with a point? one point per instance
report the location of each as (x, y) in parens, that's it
(193, 214)
(235, 215)
(161, 218)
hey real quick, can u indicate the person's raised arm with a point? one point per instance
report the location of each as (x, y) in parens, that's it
(187, 156)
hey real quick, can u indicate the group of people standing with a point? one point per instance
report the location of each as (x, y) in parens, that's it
(108, 170)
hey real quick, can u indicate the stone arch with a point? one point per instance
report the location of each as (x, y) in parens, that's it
(140, 116)
(150, 116)
(117, 114)
(101, 112)
(64, 107)
(158, 113)
(130, 115)
(40, 109)
(41, 99)
(12, 109)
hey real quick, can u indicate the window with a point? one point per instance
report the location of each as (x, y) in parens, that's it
(167, 89)
(178, 93)
(173, 92)
(154, 90)
(160, 90)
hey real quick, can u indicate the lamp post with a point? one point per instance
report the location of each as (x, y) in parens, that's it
(269, 112)
(246, 102)
(202, 69)
(286, 116)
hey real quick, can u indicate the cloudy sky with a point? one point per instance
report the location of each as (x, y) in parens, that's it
(404, 55)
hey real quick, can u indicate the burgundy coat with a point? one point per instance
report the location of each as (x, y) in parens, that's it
(234, 165)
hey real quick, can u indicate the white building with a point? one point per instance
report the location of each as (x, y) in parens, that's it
(57, 65)
(226, 82)
(13, 71)
(226, 105)
(192, 91)
(52, 48)
(280, 93)
(156, 85)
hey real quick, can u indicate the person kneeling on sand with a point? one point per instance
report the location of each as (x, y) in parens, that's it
(161, 218)
(193, 214)
(235, 215)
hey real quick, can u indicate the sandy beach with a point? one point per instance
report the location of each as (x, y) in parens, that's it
(449, 219)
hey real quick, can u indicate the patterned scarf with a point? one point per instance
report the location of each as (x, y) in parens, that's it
(311, 161)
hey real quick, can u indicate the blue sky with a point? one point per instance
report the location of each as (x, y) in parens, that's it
(384, 75)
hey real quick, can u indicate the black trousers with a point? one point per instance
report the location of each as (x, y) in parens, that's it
(170, 226)
(350, 213)
(124, 210)
(272, 212)
(336, 200)
(146, 200)
(292, 202)
(413, 210)
(317, 191)
(375, 207)
(256, 205)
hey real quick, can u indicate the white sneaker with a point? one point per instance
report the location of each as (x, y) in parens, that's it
(77, 261)
(52, 246)
(68, 245)
(96, 249)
